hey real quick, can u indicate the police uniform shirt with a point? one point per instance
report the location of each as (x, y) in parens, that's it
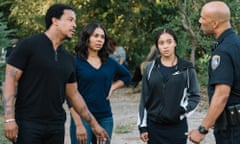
(224, 60)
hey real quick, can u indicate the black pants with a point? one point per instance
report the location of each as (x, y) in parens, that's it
(229, 136)
(40, 133)
(167, 134)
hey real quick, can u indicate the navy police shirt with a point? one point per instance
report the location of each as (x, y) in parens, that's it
(224, 65)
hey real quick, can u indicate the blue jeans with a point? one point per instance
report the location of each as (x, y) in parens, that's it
(106, 123)
(229, 136)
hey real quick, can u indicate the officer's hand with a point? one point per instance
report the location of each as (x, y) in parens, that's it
(195, 136)
(144, 137)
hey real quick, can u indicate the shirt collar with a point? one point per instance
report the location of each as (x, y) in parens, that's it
(220, 39)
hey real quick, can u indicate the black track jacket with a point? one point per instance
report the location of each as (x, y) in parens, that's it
(169, 101)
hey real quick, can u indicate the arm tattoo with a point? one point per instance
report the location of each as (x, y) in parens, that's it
(89, 119)
(89, 116)
(13, 73)
(7, 105)
(8, 109)
(84, 109)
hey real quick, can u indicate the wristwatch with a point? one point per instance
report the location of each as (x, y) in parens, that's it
(202, 129)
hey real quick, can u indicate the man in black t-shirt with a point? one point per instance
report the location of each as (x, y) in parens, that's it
(39, 74)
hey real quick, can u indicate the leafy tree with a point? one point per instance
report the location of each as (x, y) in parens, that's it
(4, 33)
(4, 42)
(133, 23)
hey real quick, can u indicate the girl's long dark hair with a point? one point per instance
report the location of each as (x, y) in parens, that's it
(81, 47)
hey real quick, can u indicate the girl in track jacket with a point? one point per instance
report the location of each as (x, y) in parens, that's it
(170, 93)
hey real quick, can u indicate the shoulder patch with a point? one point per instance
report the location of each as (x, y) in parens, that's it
(215, 62)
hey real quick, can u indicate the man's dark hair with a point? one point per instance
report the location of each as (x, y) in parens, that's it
(56, 11)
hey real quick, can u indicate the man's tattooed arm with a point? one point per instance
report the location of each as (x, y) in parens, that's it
(80, 107)
(78, 103)
(84, 112)
(88, 117)
(12, 76)
(7, 105)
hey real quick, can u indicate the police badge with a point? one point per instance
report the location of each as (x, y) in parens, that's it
(215, 61)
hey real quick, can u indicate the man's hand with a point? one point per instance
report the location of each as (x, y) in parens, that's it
(195, 136)
(11, 131)
(100, 134)
(144, 137)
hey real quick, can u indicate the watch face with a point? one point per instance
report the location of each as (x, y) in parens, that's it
(202, 130)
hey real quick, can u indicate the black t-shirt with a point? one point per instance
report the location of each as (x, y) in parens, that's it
(41, 89)
(166, 70)
(224, 65)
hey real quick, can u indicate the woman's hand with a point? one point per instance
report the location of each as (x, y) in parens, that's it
(81, 134)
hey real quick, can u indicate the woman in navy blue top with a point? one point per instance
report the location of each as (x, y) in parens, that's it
(95, 72)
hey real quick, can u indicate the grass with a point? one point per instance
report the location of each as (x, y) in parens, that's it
(123, 128)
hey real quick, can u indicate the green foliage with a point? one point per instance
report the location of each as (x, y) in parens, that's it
(132, 23)
(4, 33)
(123, 128)
(235, 10)
(202, 67)
(29, 15)
(126, 21)
(4, 42)
(2, 72)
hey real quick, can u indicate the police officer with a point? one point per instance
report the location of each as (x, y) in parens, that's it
(224, 77)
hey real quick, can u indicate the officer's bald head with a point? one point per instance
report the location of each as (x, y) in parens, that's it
(218, 11)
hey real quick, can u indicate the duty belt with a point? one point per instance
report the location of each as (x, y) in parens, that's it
(233, 114)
